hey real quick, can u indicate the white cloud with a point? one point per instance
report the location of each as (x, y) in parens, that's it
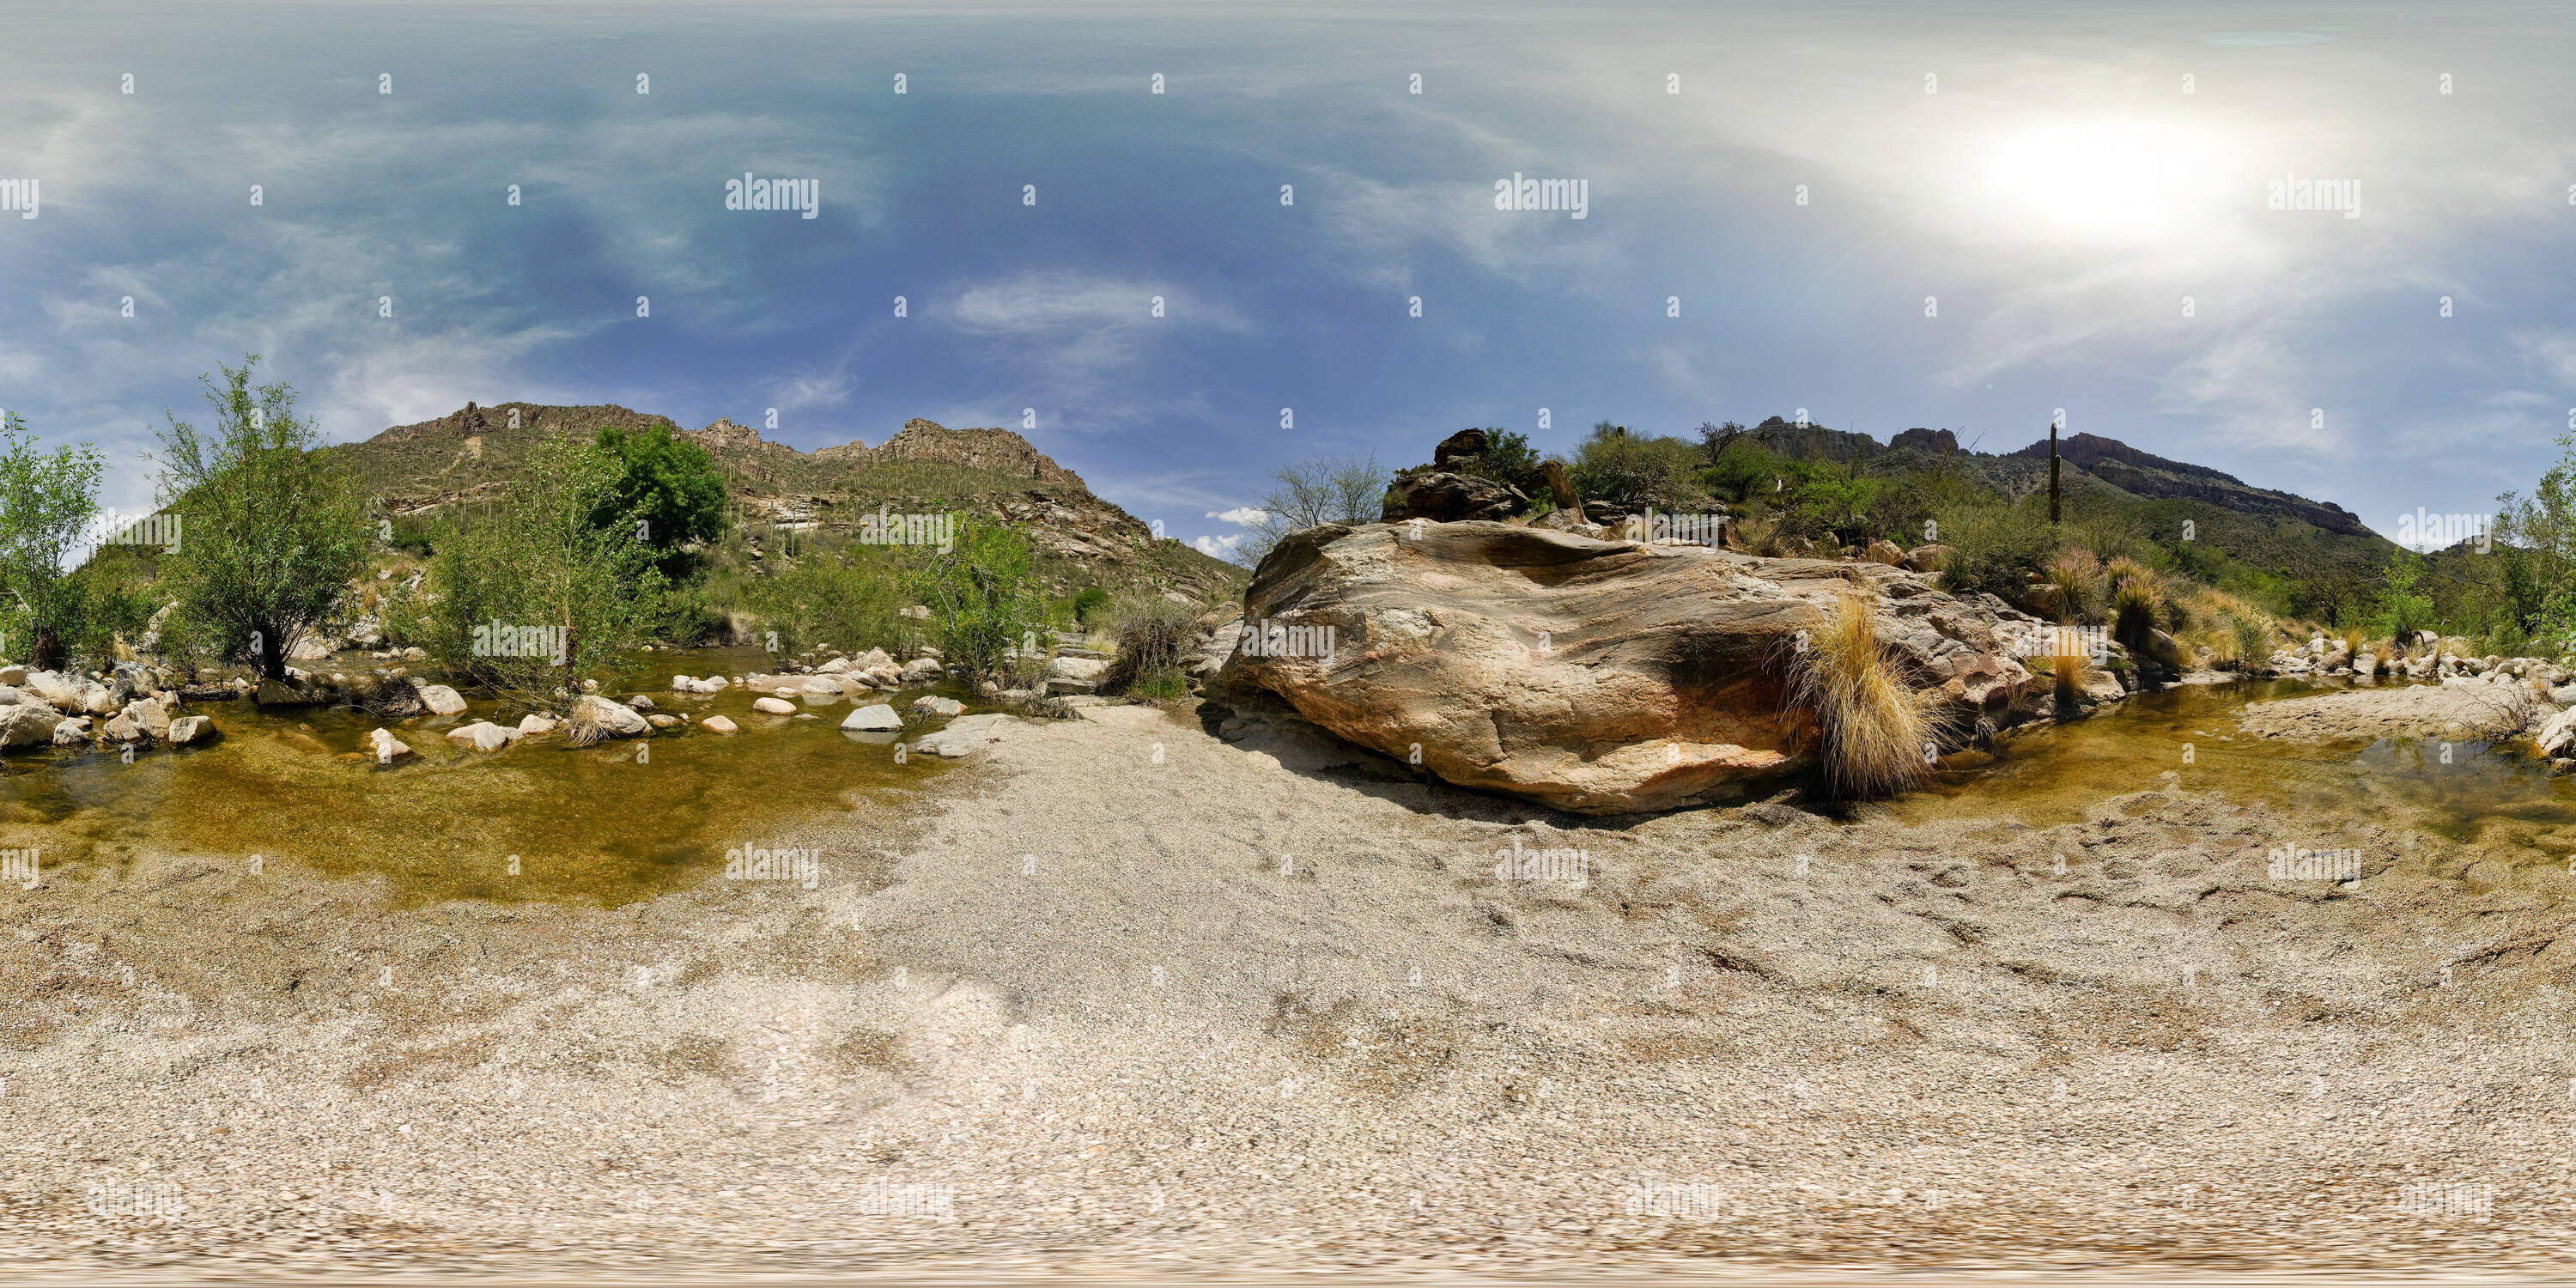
(1218, 547)
(1242, 516)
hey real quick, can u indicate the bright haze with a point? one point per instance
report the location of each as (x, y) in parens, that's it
(1952, 216)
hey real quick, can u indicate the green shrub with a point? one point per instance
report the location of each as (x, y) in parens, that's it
(1993, 551)
(983, 598)
(543, 561)
(851, 599)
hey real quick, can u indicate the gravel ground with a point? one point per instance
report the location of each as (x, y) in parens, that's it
(1129, 998)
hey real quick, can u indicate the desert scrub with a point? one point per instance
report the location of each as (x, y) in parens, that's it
(1153, 635)
(1873, 727)
(2136, 604)
(983, 598)
(1993, 551)
(2072, 591)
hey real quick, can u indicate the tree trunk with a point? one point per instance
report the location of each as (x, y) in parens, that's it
(2052, 471)
(47, 651)
(272, 652)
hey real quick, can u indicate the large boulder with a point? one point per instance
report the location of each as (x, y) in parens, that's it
(1465, 445)
(27, 724)
(1077, 668)
(151, 715)
(188, 729)
(1595, 676)
(878, 718)
(606, 719)
(1450, 498)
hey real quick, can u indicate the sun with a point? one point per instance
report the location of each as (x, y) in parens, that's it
(2106, 180)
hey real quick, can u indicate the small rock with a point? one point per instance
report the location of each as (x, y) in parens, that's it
(661, 721)
(717, 724)
(387, 746)
(938, 706)
(188, 729)
(441, 700)
(774, 706)
(485, 735)
(535, 722)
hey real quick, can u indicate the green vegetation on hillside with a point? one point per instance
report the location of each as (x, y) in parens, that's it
(272, 530)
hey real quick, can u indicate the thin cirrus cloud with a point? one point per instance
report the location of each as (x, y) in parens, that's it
(2048, 297)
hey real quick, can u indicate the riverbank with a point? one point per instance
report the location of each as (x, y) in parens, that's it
(1124, 995)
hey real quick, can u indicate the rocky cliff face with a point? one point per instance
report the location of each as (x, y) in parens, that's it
(2148, 475)
(997, 450)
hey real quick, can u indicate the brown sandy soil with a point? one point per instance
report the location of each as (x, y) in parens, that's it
(1145, 1002)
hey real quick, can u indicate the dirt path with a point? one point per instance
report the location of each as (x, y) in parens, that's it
(1130, 998)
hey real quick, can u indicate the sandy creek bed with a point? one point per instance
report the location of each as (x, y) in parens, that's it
(1119, 995)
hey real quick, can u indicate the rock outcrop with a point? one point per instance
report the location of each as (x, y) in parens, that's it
(1448, 498)
(1593, 676)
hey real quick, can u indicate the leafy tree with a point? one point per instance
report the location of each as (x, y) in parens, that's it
(2538, 533)
(670, 486)
(2401, 609)
(46, 499)
(552, 588)
(1508, 459)
(983, 598)
(271, 528)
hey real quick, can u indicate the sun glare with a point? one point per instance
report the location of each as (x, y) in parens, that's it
(2103, 180)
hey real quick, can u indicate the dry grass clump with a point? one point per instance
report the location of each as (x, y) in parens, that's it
(1873, 725)
(1153, 635)
(2070, 589)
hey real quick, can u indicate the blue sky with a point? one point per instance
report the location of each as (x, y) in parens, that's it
(2057, 196)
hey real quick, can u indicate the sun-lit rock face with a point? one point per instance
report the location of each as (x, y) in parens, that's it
(1592, 676)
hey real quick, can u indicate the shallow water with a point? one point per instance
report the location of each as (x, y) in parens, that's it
(611, 823)
(2050, 774)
